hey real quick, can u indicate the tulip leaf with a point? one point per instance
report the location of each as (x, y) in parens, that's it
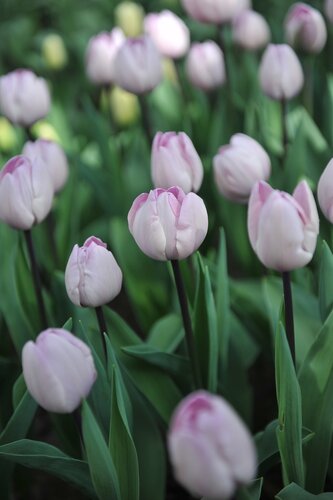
(295, 492)
(19, 390)
(316, 381)
(121, 442)
(167, 333)
(222, 303)
(252, 491)
(325, 282)
(43, 456)
(289, 430)
(101, 465)
(205, 328)
(20, 421)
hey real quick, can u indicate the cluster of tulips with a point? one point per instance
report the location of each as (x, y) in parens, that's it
(210, 448)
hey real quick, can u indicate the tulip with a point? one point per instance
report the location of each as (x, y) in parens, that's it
(138, 66)
(175, 162)
(305, 28)
(7, 135)
(215, 12)
(283, 229)
(124, 106)
(54, 52)
(129, 17)
(205, 65)
(24, 97)
(26, 192)
(280, 73)
(328, 8)
(167, 224)
(92, 276)
(169, 33)
(250, 30)
(100, 56)
(325, 191)
(58, 369)
(239, 165)
(210, 449)
(54, 158)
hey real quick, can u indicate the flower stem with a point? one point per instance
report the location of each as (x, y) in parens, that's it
(288, 312)
(146, 119)
(285, 140)
(102, 326)
(187, 324)
(36, 278)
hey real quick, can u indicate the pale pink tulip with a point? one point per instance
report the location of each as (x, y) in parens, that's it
(169, 33)
(250, 30)
(214, 11)
(205, 65)
(100, 55)
(305, 28)
(325, 191)
(328, 8)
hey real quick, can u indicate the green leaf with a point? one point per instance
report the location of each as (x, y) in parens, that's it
(289, 431)
(295, 492)
(325, 281)
(316, 381)
(101, 466)
(167, 333)
(121, 442)
(19, 390)
(222, 302)
(251, 492)
(20, 421)
(42, 456)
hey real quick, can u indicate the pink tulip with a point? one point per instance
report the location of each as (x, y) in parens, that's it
(250, 30)
(26, 192)
(58, 369)
(214, 11)
(210, 449)
(280, 72)
(54, 158)
(305, 28)
(205, 65)
(24, 97)
(175, 162)
(239, 165)
(328, 8)
(325, 191)
(168, 224)
(283, 229)
(100, 55)
(92, 277)
(169, 33)
(138, 65)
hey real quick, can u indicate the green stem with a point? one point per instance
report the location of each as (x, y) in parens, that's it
(102, 326)
(288, 312)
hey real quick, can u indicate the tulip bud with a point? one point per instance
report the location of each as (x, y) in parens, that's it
(169, 33)
(328, 8)
(250, 30)
(205, 65)
(283, 229)
(280, 73)
(305, 28)
(44, 130)
(216, 12)
(129, 17)
(210, 449)
(168, 224)
(7, 135)
(24, 97)
(239, 165)
(92, 277)
(138, 66)
(26, 192)
(175, 162)
(124, 106)
(170, 71)
(325, 191)
(58, 369)
(100, 56)
(53, 157)
(54, 52)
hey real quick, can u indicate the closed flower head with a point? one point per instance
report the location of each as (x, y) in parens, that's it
(26, 192)
(210, 449)
(250, 30)
(24, 97)
(325, 191)
(214, 11)
(100, 56)
(205, 65)
(305, 28)
(168, 224)
(175, 162)
(239, 165)
(58, 369)
(92, 277)
(169, 33)
(283, 229)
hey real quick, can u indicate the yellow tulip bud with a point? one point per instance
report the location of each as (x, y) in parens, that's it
(54, 52)
(124, 106)
(44, 130)
(129, 17)
(169, 70)
(7, 135)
